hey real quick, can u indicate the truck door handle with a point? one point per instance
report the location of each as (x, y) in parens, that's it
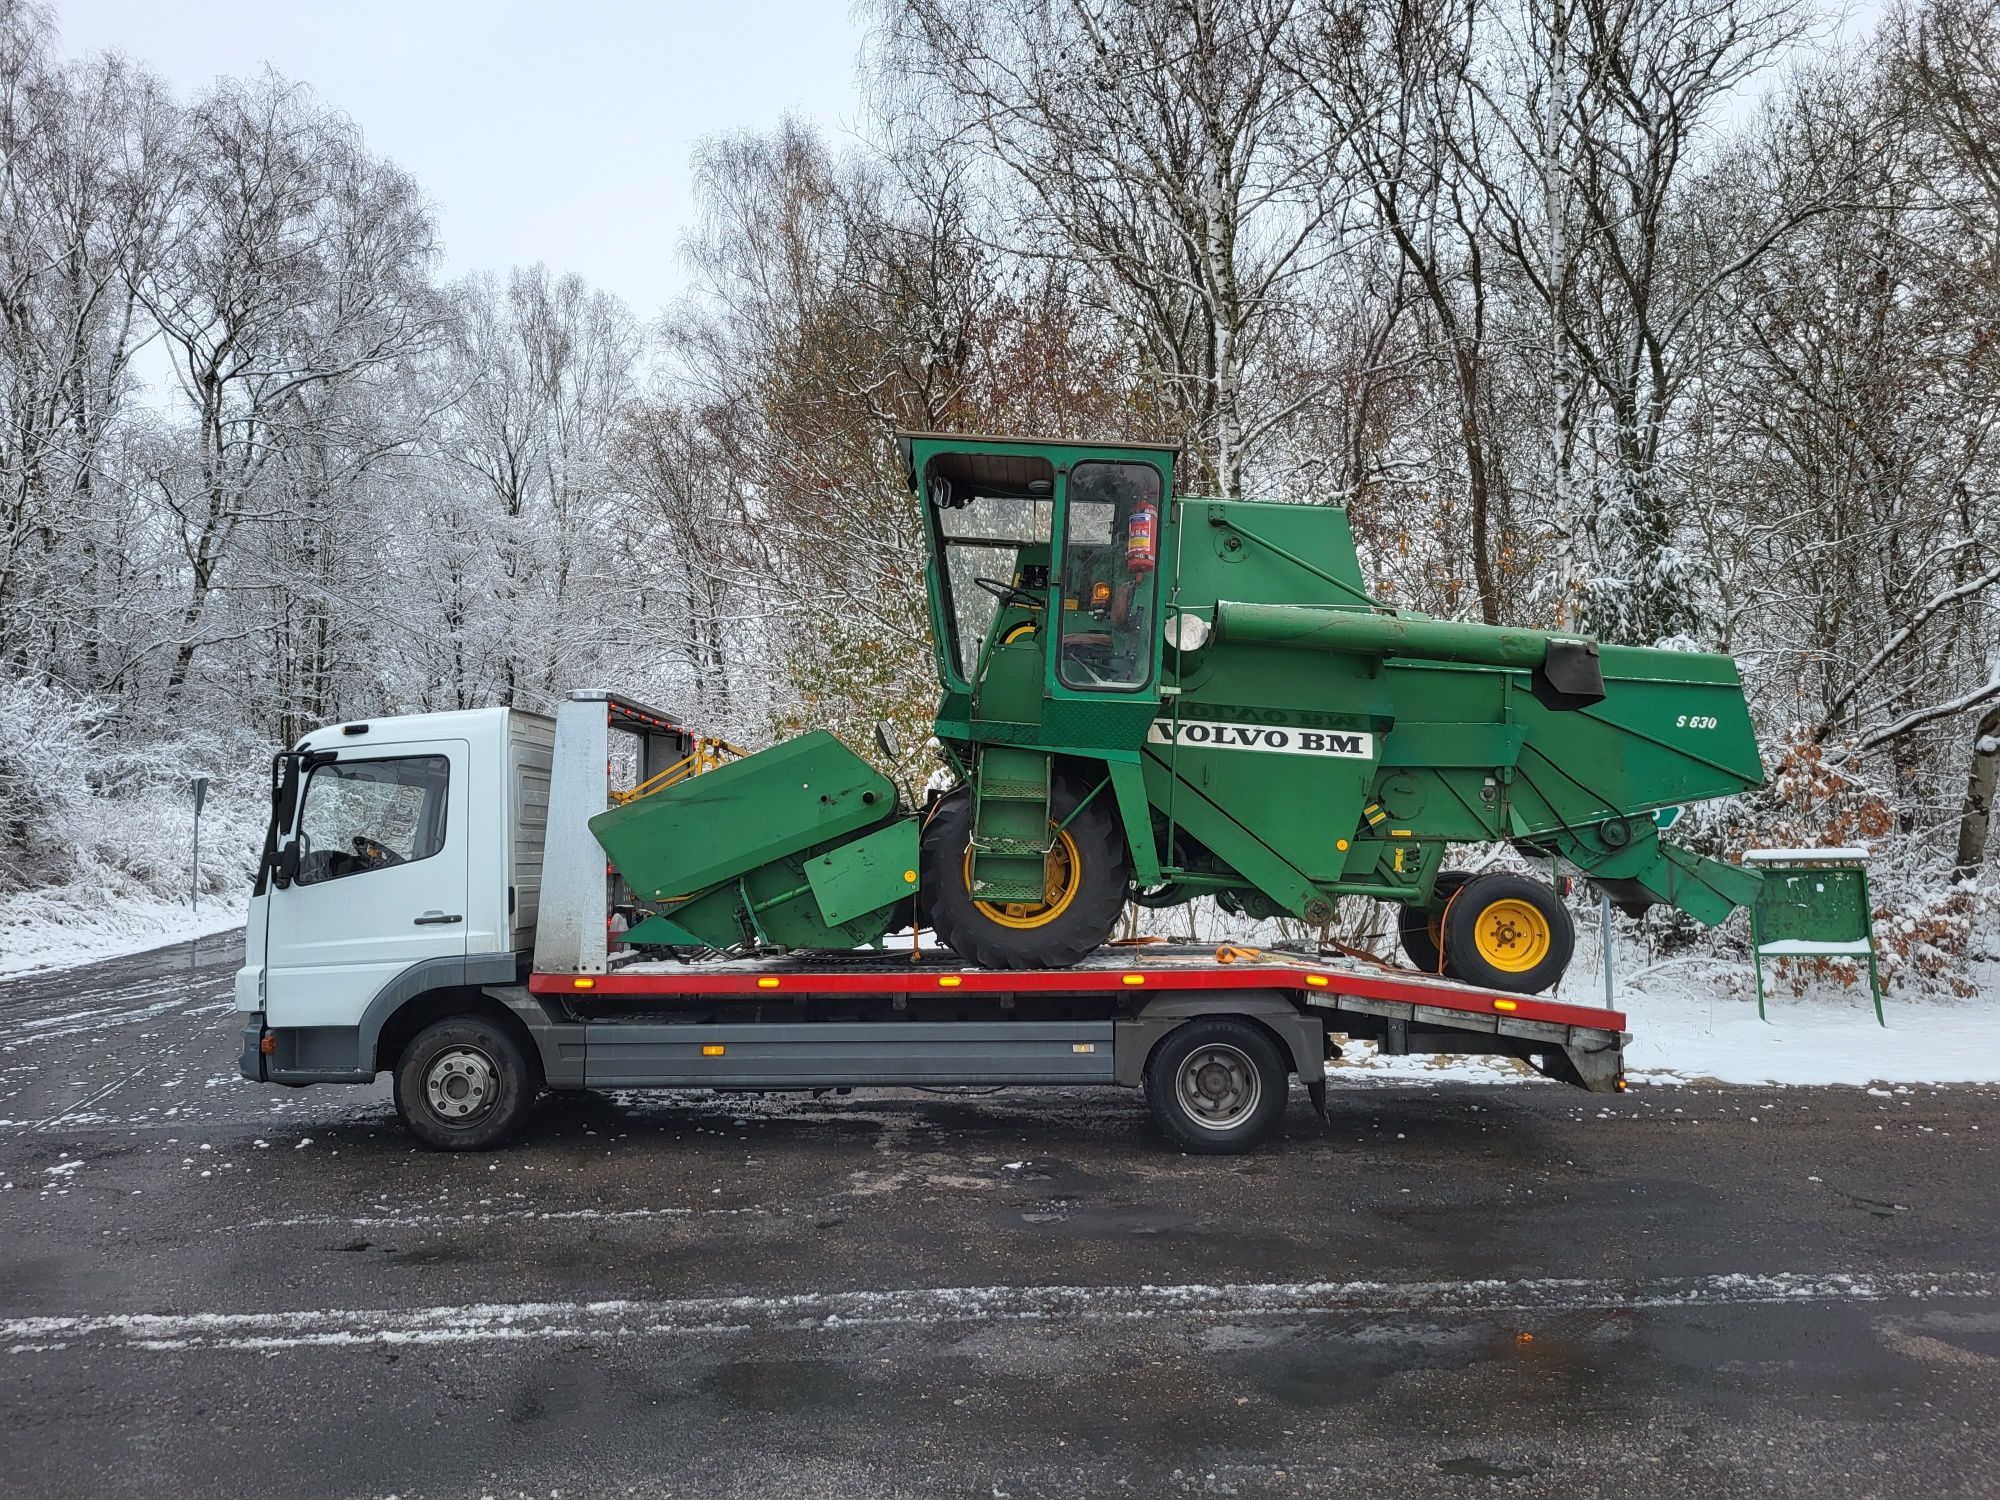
(432, 918)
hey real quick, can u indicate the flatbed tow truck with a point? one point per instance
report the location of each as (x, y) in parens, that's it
(469, 945)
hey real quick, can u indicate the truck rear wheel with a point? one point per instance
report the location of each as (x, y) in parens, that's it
(1422, 927)
(1507, 932)
(1088, 870)
(464, 1085)
(1217, 1086)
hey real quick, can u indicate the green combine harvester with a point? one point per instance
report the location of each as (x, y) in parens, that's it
(1152, 699)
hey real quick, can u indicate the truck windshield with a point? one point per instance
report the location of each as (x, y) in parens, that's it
(984, 522)
(365, 815)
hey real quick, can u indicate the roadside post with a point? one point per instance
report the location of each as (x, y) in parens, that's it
(1814, 903)
(194, 875)
(1604, 932)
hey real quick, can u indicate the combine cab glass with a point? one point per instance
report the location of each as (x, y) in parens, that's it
(1148, 698)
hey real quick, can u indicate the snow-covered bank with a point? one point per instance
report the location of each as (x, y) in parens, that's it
(38, 934)
(1683, 1037)
(1689, 1033)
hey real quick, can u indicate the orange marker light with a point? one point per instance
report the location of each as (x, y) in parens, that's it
(1135, 978)
(1317, 981)
(767, 984)
(949, 981)
(584, 984)
(712, 1049)
(1505, 1005)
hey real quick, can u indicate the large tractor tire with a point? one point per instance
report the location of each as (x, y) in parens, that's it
(1507, 932)
(1088, 870)
(1422, 928)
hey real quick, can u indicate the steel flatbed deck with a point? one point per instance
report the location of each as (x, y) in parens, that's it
(1317, 979)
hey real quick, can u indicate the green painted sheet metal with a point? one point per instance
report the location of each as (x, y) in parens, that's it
(1128, 784)
(1810, 910)
(740, 817)
(865, 874)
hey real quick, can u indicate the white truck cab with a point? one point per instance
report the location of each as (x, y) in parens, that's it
(404, 859)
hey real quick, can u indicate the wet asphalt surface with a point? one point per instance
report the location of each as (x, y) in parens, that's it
(214, 1288)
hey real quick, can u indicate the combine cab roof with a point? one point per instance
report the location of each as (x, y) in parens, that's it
(977, 442)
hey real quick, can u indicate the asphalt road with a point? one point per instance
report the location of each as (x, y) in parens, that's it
(212, 1288)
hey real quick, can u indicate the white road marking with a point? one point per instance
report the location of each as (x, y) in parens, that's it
(496, 1322)
(498, 1216)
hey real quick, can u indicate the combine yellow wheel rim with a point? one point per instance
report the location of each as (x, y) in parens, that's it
(1065, 879)
(1512, 935)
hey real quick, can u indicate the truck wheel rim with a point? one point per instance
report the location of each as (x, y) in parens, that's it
(1219, 1087)
(1511, 935)
(461, 1085)
(1064, 879)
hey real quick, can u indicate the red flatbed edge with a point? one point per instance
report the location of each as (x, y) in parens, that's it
(1139, 968)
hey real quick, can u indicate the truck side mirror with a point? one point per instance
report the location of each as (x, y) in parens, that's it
(285, 864)
(888, 741)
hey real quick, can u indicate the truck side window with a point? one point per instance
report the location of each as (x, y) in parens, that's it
(1110, 558)
(363, 815)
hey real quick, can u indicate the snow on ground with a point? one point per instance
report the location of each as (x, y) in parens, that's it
(38, 934)
(1684, 1035)
(1701, 1025)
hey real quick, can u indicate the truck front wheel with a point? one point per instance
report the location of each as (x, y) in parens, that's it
(463, 1085)
(1217, 1086)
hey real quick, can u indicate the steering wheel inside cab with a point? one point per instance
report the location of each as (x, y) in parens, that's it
(372, 854)
(1008, 593)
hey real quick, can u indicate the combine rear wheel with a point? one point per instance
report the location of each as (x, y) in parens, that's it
(1507, 932)
(1422, 928)
(1088, 870)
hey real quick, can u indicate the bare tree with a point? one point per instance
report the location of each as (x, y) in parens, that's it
(80, 202)
(295, 260)
(1163, 147)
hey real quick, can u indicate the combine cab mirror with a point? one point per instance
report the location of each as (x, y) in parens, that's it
(888, 741)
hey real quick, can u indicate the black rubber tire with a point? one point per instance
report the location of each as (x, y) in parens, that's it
(510, 1078)
(948, 909)
(1462, 960)
(1215, 1037)
(1413, 923)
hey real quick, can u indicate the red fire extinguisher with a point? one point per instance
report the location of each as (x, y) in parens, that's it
(1142, 538)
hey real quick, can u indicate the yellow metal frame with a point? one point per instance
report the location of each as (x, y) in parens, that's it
(706, 756)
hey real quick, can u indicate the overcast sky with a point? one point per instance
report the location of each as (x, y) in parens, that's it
(556, 131)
